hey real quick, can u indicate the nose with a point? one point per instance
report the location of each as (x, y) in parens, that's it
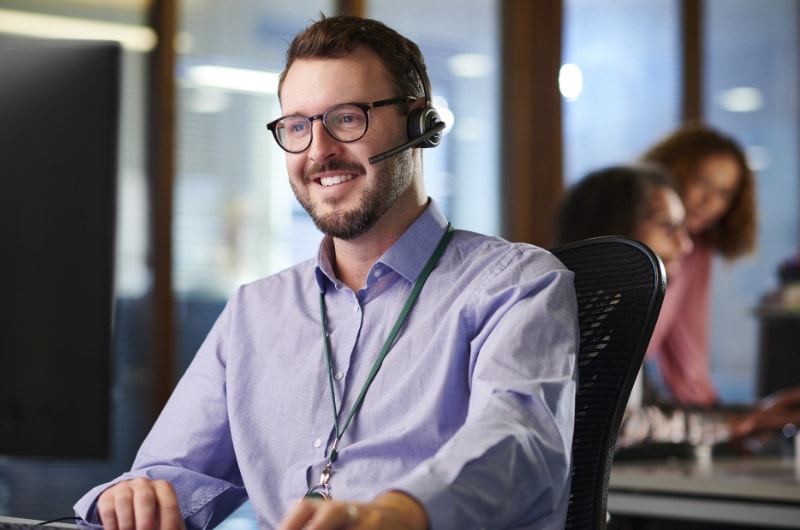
(684, 241)
(709, 200)
(323, 146)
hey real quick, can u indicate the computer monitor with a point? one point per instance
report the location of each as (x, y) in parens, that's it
(59, 108)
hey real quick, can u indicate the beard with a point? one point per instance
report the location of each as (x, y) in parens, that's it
(391, 180)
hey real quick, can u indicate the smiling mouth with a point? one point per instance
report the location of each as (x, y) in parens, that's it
(336, 179)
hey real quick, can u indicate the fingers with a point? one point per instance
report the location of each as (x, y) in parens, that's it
(112, 517)
(169, 512)
(791, 395)
(393, 510)
(785, 397)
(140, 504)
(322, 515)
(352, 514)
(770, 418)
(297, 516)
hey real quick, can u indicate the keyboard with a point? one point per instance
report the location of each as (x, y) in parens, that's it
(16, 523)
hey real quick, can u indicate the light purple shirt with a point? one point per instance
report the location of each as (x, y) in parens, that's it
(471, 412)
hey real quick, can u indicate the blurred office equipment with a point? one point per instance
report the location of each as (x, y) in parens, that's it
(779, 351)
(58, 168)
(779, 331)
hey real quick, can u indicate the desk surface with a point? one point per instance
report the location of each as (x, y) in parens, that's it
(764, 491)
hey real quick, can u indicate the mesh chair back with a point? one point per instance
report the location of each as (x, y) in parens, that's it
(620, 285)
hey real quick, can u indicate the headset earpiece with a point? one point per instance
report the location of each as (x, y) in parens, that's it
(421, 121)
(424, 126)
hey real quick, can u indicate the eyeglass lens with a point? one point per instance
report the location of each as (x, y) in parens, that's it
(346, 123)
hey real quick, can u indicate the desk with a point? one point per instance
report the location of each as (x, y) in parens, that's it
(754, 491)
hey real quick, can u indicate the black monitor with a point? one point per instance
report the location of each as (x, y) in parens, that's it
(59, 108)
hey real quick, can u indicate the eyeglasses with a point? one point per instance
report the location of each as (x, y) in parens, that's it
(346, 122)
(667, 226)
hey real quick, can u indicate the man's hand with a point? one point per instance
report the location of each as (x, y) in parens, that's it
(140, 504)
(390, 511)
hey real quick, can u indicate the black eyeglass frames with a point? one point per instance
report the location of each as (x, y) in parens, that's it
(346, 122)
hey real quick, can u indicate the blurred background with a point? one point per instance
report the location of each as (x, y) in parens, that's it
(535, 95)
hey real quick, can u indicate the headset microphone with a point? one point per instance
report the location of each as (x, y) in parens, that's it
(437, 129)
(424, 125)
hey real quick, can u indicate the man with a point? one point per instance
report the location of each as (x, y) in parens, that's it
(407, 406)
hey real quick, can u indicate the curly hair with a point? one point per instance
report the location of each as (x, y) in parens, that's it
(681, 153)
(611, 201)
(338, 36)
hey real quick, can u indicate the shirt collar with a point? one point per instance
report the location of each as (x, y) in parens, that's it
(407, 256)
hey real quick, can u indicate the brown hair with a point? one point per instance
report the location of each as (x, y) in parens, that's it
(681, 153)
(610, 201)
(334, 37)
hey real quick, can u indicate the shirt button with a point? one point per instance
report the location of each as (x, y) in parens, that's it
(317, 442)
(338, 376)
(377, 273)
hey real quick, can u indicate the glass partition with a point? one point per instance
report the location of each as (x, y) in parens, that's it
(752, 68)
(620, 80)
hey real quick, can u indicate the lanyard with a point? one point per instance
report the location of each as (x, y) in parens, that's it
(322, 490)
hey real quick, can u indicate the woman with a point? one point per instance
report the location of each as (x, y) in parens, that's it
(718, 190)
(637, 202)
(642, 203)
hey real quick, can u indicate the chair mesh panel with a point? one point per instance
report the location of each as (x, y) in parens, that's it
(620, 286)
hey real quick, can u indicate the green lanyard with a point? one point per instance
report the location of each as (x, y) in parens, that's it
(322, 490)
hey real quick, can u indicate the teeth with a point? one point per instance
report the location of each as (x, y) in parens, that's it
(336, 179)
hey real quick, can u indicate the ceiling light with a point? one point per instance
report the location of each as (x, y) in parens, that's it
(470, 65)
(741, 99)
(131, 37)
(234, 79)
(570, 81)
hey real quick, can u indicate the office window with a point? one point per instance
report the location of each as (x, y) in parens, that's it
(752, 67)
(235, 217)
(460, 42)
(620, 80)
(628, 53)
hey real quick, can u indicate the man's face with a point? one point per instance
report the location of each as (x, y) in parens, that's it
(334, 181)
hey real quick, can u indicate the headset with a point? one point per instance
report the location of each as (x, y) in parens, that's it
(424, 125)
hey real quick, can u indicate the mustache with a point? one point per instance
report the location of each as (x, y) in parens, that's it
(333, 165)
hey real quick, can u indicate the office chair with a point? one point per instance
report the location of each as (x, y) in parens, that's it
(620, 285)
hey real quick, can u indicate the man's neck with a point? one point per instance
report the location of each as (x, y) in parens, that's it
(353, 259)
(352, 263)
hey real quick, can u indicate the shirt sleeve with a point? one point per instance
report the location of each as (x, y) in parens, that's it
(190, 445)
(509, 465)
